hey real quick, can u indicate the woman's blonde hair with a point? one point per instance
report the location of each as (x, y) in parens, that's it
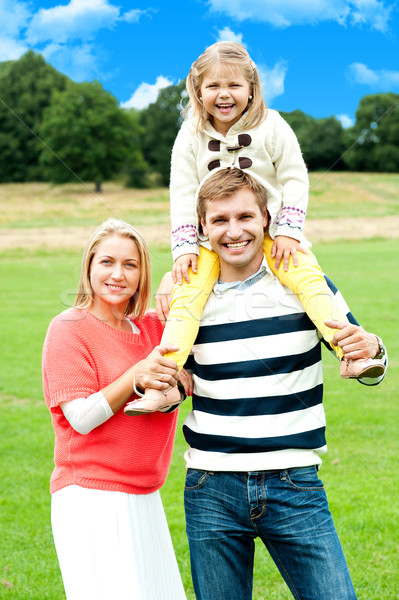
(221, 53)
(138, 303)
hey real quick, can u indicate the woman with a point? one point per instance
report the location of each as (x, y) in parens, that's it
(109, 528)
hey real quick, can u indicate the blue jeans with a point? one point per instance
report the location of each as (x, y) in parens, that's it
(287, 509)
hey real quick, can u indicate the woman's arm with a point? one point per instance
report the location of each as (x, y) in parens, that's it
(156, 371)
(85, 414)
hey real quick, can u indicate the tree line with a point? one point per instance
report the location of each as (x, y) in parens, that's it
(54, 129)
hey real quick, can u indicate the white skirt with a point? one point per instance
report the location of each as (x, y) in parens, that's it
(114, 545)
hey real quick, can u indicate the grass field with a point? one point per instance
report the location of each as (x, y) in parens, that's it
(360, 470)
(332, 195)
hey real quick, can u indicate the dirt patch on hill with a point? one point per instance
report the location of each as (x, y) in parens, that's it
(317, 230)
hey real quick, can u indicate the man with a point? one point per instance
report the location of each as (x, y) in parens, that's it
(257, 429)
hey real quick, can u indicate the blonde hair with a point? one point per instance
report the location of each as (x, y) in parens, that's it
(233, 54)
(224, 183)
(138, 303)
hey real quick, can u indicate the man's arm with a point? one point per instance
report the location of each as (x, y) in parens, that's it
(354, 341)
(163, 297)
(357, 343)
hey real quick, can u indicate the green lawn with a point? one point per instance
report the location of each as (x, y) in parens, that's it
(332, 194)
(360, 470)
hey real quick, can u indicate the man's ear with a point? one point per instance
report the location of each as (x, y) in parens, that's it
(203, 225)
(265, 218)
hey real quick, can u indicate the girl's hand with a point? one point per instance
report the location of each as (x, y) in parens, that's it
(156, 371)
(282, 247)
(181, 266)
(163, 297)
(186, 379)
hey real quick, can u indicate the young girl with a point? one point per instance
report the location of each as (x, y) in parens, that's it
(230, 125)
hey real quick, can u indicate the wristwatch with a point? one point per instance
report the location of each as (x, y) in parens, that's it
(381, 348)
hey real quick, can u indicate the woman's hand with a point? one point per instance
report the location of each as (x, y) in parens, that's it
(156, 371)
(181, 267)
(186, 379)
(283, 247)
(163, 297)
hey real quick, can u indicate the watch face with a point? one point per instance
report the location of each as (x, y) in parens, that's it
(381, 351)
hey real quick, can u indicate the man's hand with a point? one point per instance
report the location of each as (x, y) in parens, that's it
(163, 297)
(354, 341)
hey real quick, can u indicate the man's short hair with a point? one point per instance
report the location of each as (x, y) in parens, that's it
(225, 183)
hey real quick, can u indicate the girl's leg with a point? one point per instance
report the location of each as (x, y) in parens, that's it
(308, 284)
(320, 303)
(188, 301)
(181, 329)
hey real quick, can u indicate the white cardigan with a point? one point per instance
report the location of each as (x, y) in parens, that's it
(270, 152)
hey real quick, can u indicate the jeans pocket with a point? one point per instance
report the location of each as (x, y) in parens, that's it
(304, 478)
(195, 479)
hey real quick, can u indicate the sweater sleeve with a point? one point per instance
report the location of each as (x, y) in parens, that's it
(292, 176)
(68, 368)
(184, 182)
(341, 302)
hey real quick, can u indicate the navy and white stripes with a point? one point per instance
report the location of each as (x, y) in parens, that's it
(258, 383)
(258, 390)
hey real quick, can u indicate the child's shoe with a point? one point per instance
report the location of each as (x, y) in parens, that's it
(357, 369)
(154, 401)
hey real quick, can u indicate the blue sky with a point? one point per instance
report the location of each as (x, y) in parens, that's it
(320, 56)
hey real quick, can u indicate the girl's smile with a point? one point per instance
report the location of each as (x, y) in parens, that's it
(225, 93)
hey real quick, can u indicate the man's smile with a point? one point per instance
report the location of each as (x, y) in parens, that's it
(234, 245)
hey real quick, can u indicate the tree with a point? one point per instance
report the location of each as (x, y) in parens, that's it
(136, 168)
(161, 122)
(26, 86)
(373, 142)
(87, 136)
(321, 140)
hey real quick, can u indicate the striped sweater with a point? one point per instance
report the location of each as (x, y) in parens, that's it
(258, 382)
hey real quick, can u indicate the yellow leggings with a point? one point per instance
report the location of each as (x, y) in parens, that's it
(188, 300)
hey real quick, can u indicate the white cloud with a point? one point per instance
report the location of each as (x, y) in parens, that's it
(284, 13)
(346, 120)
(273, 80)
(371, 11)
(64, 34)
(227, 35)
(77, 62)
(381, 79)
(80, 19)
(13, 17)
(11, 49)
(134, 15)
(147, 93)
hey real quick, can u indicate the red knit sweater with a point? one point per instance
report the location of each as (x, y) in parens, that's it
(82, 355)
